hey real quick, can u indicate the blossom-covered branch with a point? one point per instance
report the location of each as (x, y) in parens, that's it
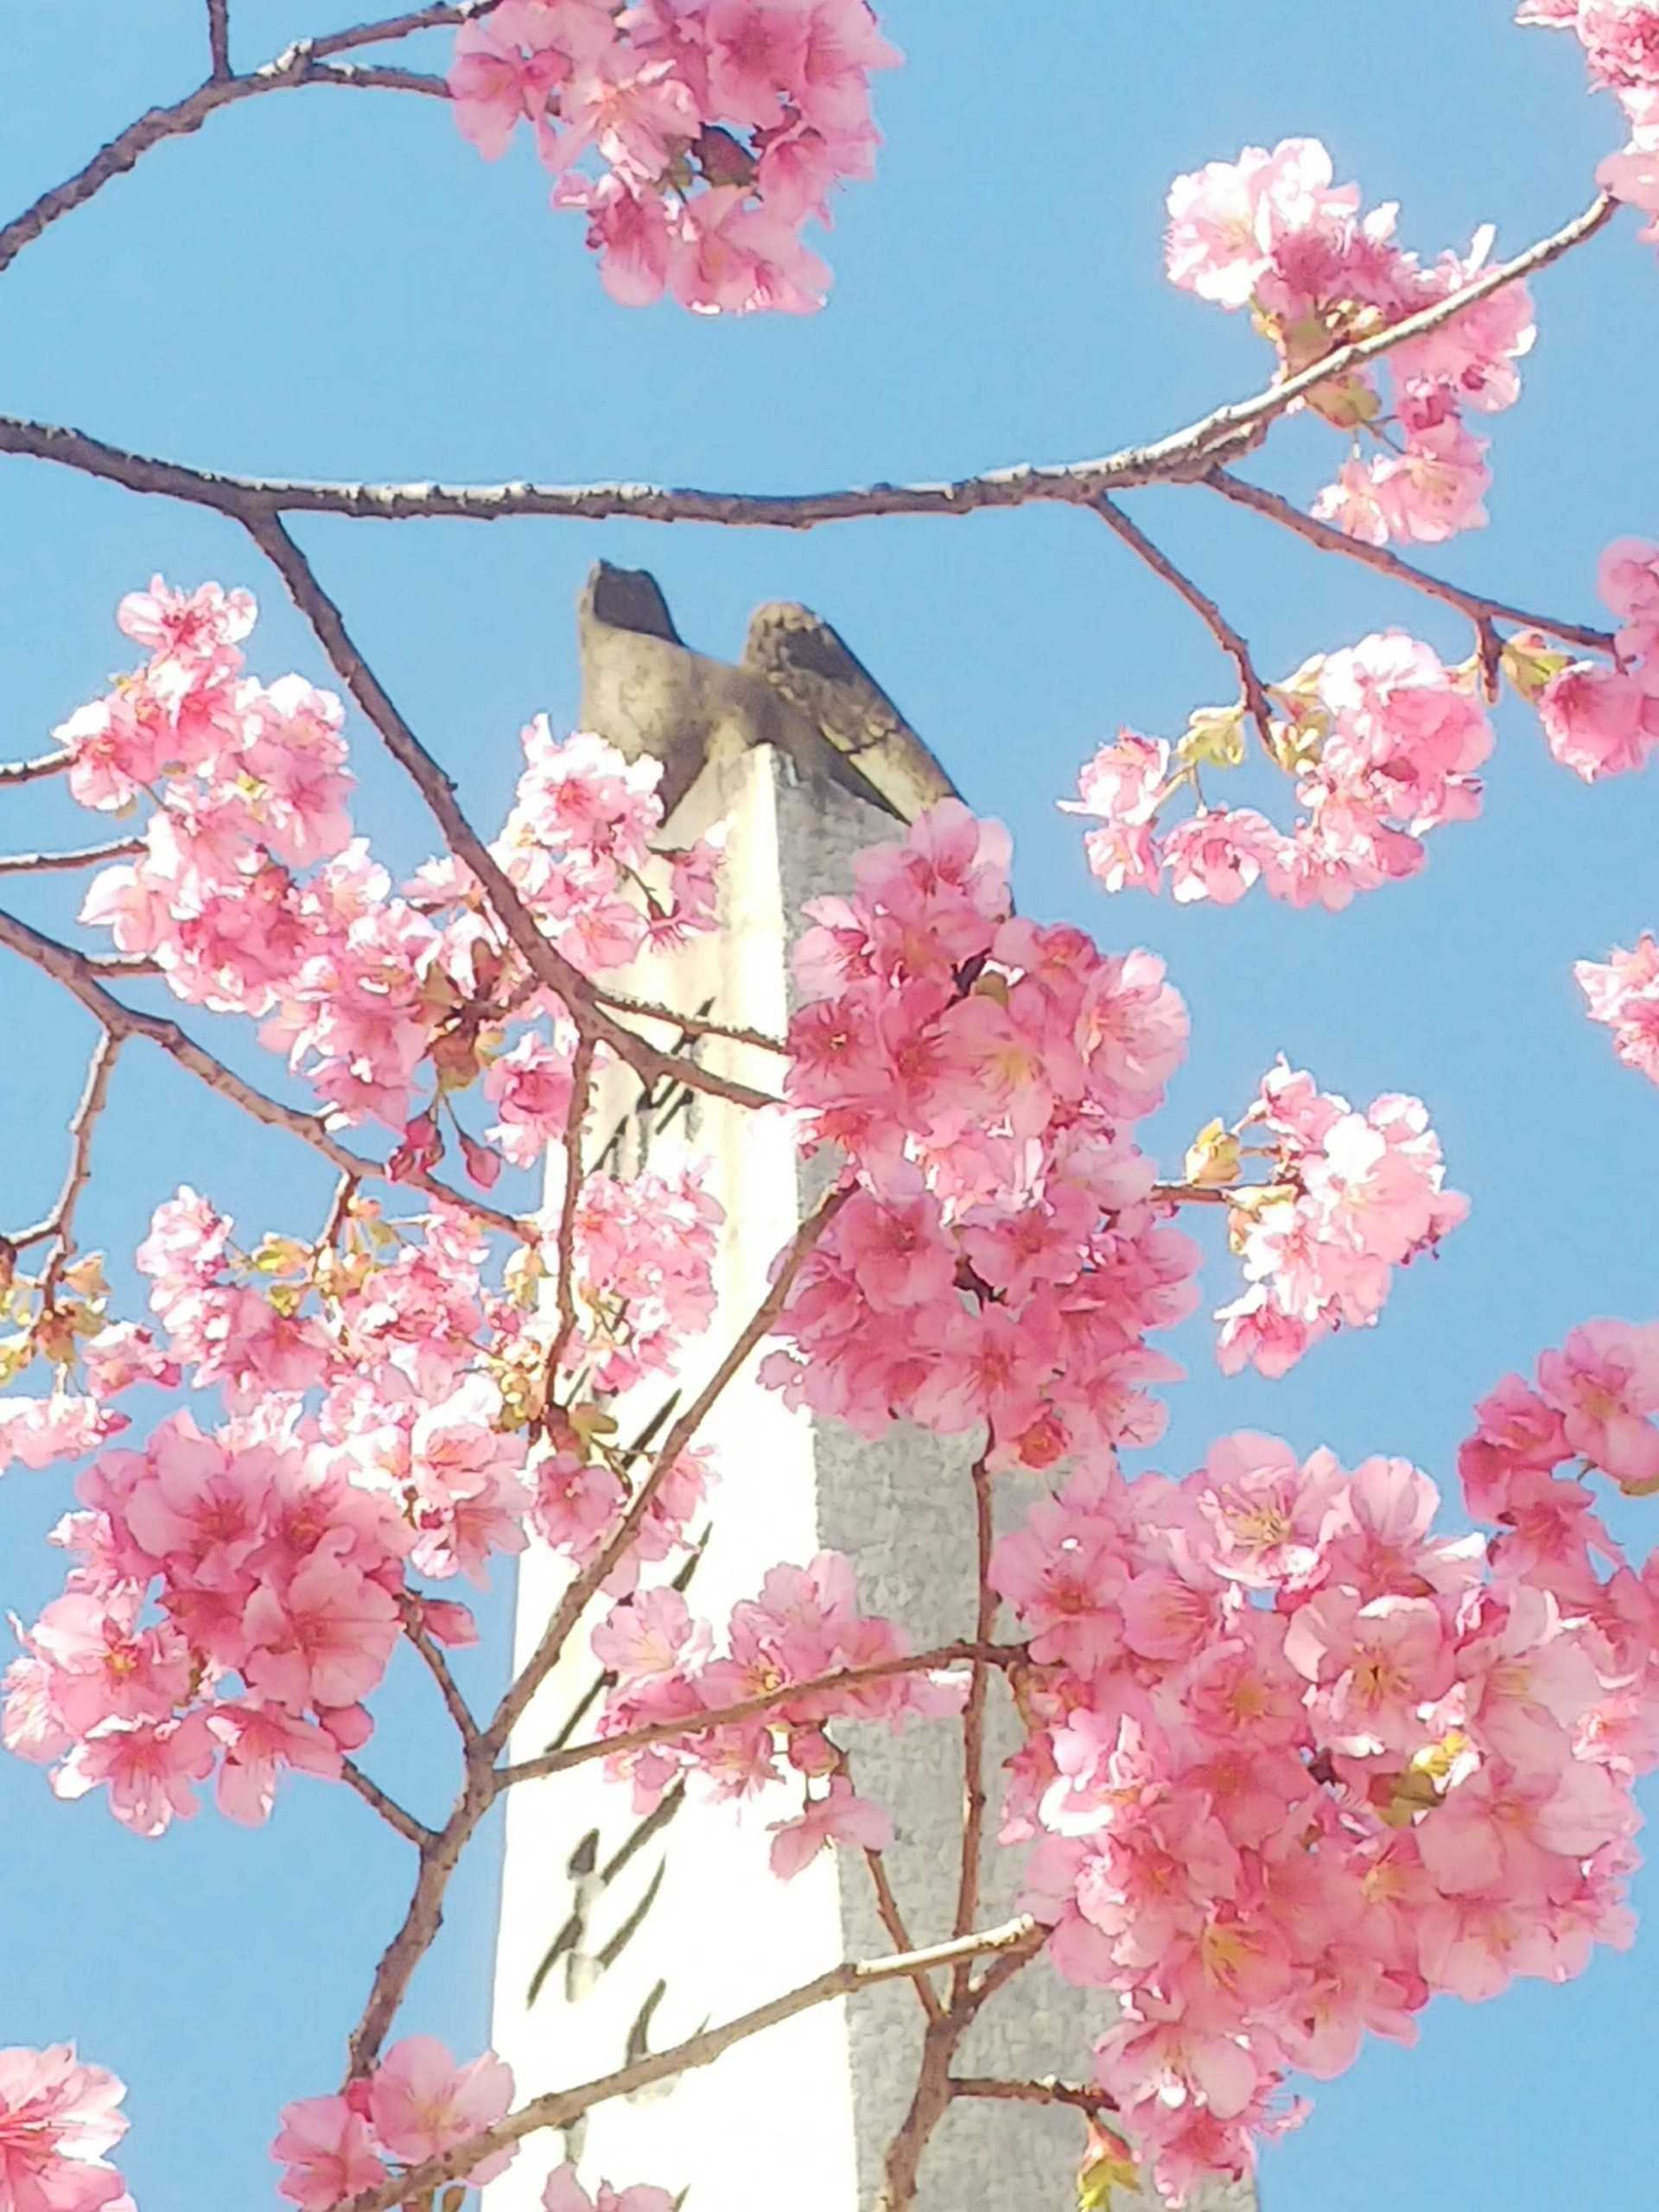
(576, 1599)
(559, 2108)
(80, 977)
(480, 1782)
(841, 1680)
(544, 961)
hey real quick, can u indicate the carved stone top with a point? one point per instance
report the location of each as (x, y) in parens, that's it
(799, 687)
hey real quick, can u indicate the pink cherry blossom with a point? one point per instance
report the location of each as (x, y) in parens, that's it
(58, 2117)
(836, 1817)
(328, 2152)
(1623, 992)
(421, 2103)
(1274, 233)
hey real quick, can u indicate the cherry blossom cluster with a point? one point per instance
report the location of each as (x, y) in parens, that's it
(360, 988)
(805, 1624)
(1620, 39)
(415, 2104)
(1273, 234)
(697, 137)
(1623, 991)
(1598, 721)
(1002, 1260)
(1351, 1196)
(1381, 741)
(237, 1594)
(1296, 1763)
(234, 1598)
(1590, 1401)
(58, 2117)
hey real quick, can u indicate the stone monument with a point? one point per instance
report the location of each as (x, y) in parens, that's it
(620, 1935)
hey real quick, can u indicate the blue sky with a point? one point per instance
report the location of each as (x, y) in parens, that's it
(333, 284)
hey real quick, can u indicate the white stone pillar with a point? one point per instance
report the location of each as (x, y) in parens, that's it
(617, 1935)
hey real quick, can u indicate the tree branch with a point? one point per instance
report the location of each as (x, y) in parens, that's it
(390, 1811)
(1049, 2091)
(30, 772)
(432, 1652)
(440, 1855)
(218, 37)
(973, 1731)
(1252, 693)
(560, 2106)
(59, 1224)
(1479, 609)
(689, 1025)
(886, 1906)
(982, 1653)
(302, 64)
(1186, 456)
(383, 31)
(564, 1302)
(543, 959)
(78, 976)
(88, 857)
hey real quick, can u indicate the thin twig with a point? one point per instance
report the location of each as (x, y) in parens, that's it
(390, 1810)
(302, 64)
(940, 1656)
(89, 856)
(1048, 2091)
(218, 37)
(1186, 456)
(30, 772)
(122, 964)
(689, 1025)
(340, 1206)
(423, 1641)
(385, 29)
(1475, 605)
(1192, 1194)
(543, 959)
(380, 77)
(1002, 1971)
(59, 1224)
(582, 1073)
(886, 1906)
(973, 1730)
(80, 978)
(561, 2106)
(1253, 692)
